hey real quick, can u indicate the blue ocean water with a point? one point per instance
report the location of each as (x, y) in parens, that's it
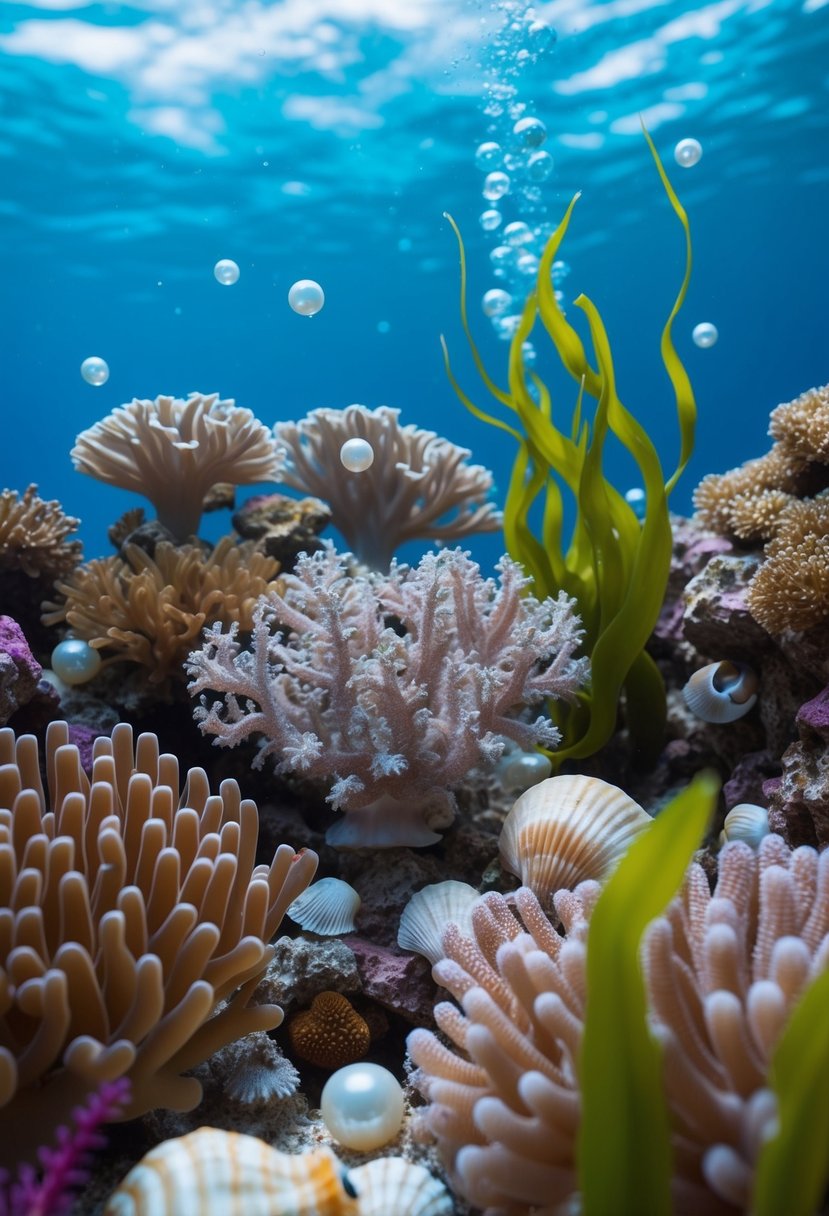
(325, 139)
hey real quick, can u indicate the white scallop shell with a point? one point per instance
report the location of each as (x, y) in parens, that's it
(721, 692)
(327, 907)
(216, 1173)
(429, 911)
(567, 829)
(747, 822)
(392, 1186)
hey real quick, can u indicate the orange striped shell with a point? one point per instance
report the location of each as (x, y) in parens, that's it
(216, 1173)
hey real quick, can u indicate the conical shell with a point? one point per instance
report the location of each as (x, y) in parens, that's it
(721, 692)
(568, 829)
(328, 907)
(216, 1173)
(429, 911)
(392, 1186)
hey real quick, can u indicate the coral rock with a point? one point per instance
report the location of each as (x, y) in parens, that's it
(799, 801)
(717, 620)
(283, 527)
(19, 669)
(399, 982)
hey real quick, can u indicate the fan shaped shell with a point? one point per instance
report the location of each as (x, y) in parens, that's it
(567, 829)
(429, 911)
(392, 1186)
(327, 907)
(721, 692)
(216, 1173)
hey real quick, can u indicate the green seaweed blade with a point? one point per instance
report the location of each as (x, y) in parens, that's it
(793, 1169)
(624, 1153)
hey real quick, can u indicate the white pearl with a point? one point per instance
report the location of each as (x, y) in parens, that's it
(688, 152)
(95, 370)
(520, 770)
(705, 334)
(74, 661)
(357, 455)
(362, 1106)
(306, 297)
(226, 272)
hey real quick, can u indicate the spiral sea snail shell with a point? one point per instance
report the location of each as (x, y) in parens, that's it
(721, 692)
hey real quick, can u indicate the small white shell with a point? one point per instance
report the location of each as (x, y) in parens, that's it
(567, 829)
(327, 907)
(392, 1186)
(721, 692)
(747, 822)
(216, 1173)
(429, 911)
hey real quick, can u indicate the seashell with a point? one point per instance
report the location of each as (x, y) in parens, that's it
(216, 1173)
(392, 1186)
(429, 911)
(328, 907)
(568, 829)
(746, 822)
(721, 692)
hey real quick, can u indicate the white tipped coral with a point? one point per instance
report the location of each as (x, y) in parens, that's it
(173, 451)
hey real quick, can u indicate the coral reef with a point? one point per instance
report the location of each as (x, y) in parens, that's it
(173, 452)
(150, 611)
(723, 970)
(419, 486)
(135, 925)
(390, 713)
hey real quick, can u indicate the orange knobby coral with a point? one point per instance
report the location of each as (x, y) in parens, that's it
(151, 610)
(331, 1033)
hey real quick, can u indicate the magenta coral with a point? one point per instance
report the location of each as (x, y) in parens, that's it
(338, 693)
(66, 1166)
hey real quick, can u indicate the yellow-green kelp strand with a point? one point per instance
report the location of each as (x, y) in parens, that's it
(624, 1152)
(614, 565)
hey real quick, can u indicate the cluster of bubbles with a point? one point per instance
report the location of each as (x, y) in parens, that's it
(515, 165)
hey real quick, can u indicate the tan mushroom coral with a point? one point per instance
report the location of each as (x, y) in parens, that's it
(33, 535)
(173, 451)
(419, 486)
(151, 610)
(134, 926)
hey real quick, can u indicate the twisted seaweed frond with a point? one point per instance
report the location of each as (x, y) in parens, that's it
(614, 565)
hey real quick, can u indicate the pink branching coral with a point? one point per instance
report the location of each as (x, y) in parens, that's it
(723, 973)
(336, 692)
(419, 486)
(173, 452)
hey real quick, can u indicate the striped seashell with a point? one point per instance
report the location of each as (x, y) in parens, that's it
(429, 911)
(392, 1186)
(327, 907)
(721, 692)
(568, 829)
(746, 822)
(216, 1173)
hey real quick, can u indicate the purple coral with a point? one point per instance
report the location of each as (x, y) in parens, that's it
(391, 688)
(19, 669)
(67, 1165)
